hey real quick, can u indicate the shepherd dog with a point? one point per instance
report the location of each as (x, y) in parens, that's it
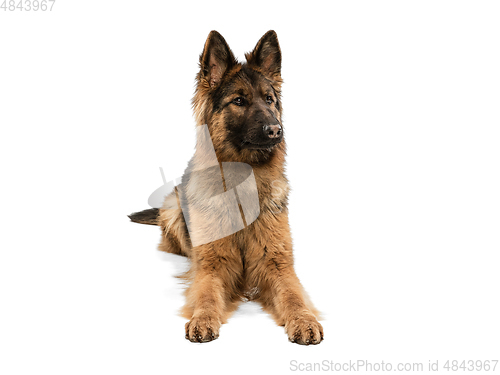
(240, 158)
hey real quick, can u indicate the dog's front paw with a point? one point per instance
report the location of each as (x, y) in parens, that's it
(202, 329)
(304, 330)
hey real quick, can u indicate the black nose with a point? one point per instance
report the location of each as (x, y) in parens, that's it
(273, 131)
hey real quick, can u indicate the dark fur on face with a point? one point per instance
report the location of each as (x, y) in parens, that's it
(240, 102)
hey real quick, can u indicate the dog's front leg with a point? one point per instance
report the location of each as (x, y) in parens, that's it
(211, 296)
(282, 294)
(291, 306)
(301, 324)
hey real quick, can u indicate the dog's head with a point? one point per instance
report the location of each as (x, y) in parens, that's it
(241, 102)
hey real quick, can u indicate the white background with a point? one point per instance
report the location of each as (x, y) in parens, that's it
(392, 123)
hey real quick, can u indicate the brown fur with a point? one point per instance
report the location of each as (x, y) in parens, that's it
(255, 263)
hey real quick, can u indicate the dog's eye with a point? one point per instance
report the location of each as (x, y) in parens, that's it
(269, 99)
(238, 101)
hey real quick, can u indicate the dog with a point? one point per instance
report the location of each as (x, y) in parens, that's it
(242, 151)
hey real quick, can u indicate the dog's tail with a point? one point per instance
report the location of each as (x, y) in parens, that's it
(149, 216)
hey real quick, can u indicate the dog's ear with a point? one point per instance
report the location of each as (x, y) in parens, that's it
(216, 59)
(267, 54)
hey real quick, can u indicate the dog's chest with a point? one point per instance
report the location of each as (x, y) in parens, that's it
(273, 194)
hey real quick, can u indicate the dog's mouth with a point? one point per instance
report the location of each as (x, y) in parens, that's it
(259, 146)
